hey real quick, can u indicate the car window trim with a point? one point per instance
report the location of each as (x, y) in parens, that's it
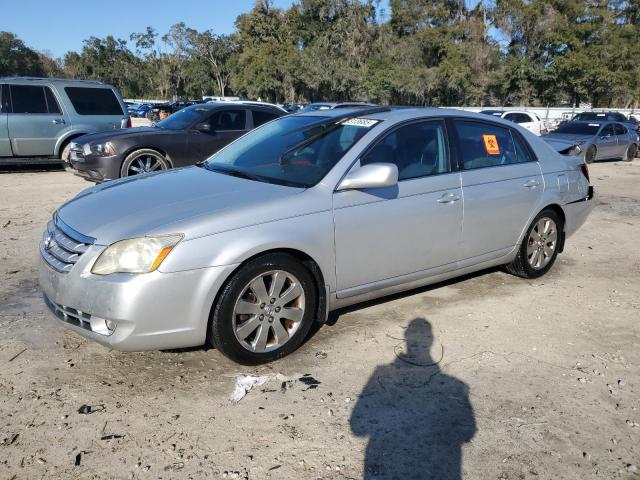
(388, 131)
(512, 132)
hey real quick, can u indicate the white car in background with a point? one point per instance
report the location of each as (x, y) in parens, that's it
(528, 120)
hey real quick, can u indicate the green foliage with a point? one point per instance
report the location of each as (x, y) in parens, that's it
(429, 52)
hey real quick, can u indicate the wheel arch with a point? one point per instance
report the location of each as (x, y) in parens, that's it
(64, 141)
(560, 212)
(305, 259)
(155, 148)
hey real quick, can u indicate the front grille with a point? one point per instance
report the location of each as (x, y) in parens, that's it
(69, 315)
(61, 246)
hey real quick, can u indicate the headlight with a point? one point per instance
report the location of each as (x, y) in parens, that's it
(136, 255)
(100, 149)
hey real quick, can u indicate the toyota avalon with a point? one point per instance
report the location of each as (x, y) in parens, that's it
(303, 215)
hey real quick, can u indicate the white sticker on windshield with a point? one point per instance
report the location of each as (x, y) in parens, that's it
(594, 124)
(600, 114)
(360, 122)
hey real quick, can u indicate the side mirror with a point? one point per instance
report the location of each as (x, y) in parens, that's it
(373, 175)
(203, 127)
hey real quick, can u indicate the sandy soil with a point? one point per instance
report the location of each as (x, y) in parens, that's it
(487, 377)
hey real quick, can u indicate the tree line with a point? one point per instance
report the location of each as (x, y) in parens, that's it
(421, 52)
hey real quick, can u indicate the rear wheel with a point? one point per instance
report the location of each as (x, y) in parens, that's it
(143, 161)
(591, 154)
(265, 311)
(539, 248)
(630, 153)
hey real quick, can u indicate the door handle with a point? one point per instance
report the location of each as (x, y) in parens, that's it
(449, 198)
(531, 183)
(58, 121)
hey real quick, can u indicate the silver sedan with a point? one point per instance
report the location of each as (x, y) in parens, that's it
(306, 214)
(598, 140)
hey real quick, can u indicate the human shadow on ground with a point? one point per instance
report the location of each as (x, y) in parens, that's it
(416, 417)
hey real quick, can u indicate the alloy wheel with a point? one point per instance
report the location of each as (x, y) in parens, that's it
(145, 164)
(542, 243)
(269, 311)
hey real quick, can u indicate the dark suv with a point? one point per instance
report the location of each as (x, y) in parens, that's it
(185, 138)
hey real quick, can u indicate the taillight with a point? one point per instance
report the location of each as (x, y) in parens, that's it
(129, 125)
(585, 171)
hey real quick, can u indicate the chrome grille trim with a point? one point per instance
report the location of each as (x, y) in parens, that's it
(69, 315)
(61, 246)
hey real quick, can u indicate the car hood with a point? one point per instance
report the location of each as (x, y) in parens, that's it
(566, 137)
(560, 145)
(124, 132)
(192, 201)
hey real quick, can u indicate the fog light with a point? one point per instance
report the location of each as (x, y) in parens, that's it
(102, 326)
(111, 326)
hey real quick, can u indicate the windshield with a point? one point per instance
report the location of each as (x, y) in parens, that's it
(575, 128)
(182, 119)
(316, 106)
(296, 151)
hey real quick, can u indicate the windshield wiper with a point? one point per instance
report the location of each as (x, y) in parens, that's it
(234, 172)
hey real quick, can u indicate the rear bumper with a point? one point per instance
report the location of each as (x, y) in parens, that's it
(576, 212)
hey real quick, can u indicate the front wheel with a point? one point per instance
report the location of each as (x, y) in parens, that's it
(143, 161)
(539, 248)
(265, 311)
(590, 155)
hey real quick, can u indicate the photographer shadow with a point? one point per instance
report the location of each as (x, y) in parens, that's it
(416, 417)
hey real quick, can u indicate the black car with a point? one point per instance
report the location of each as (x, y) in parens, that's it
(185, 138)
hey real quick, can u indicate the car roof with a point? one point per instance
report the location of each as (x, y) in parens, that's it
(27, 80)
(219, 105)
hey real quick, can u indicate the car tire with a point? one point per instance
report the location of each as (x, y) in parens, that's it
(539, 248)
(144, 160)
(630, 153)
(248, 323)
(590, 156)
(65, 153)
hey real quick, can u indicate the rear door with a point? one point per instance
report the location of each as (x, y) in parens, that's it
(226, 125)
(623, 139)
(5, 144)
(502, 186)
(607, 142)
(35, 121)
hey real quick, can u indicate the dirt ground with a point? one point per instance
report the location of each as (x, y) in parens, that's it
(486, 377)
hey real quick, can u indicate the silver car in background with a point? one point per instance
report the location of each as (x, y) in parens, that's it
(306, 214)
(598, 140)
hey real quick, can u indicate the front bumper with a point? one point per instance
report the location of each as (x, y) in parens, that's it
(95, 168)
(153, 311)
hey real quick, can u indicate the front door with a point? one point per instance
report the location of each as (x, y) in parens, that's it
(226, 126)
(383, 236)
(5, 144)
(502, 185)
(35, 121)
(607, 142)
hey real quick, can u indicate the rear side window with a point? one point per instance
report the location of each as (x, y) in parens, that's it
(94, 101)
(261, 117)
(229, 120)
(28, 99)
(417, 149)
(483, 145)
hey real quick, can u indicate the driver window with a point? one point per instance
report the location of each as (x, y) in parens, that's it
(607, 131)
(228, 120)
(417, 149)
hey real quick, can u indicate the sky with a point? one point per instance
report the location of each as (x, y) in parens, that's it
(60, 26)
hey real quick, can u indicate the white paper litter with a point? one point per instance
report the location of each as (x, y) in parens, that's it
(244, 383)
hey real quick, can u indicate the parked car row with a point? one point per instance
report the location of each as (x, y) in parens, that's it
(528, 120)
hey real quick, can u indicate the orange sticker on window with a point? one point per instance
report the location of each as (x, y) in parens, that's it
(491, 144)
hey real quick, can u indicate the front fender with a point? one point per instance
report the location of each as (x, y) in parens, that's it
(310, 234)
(71, 134)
